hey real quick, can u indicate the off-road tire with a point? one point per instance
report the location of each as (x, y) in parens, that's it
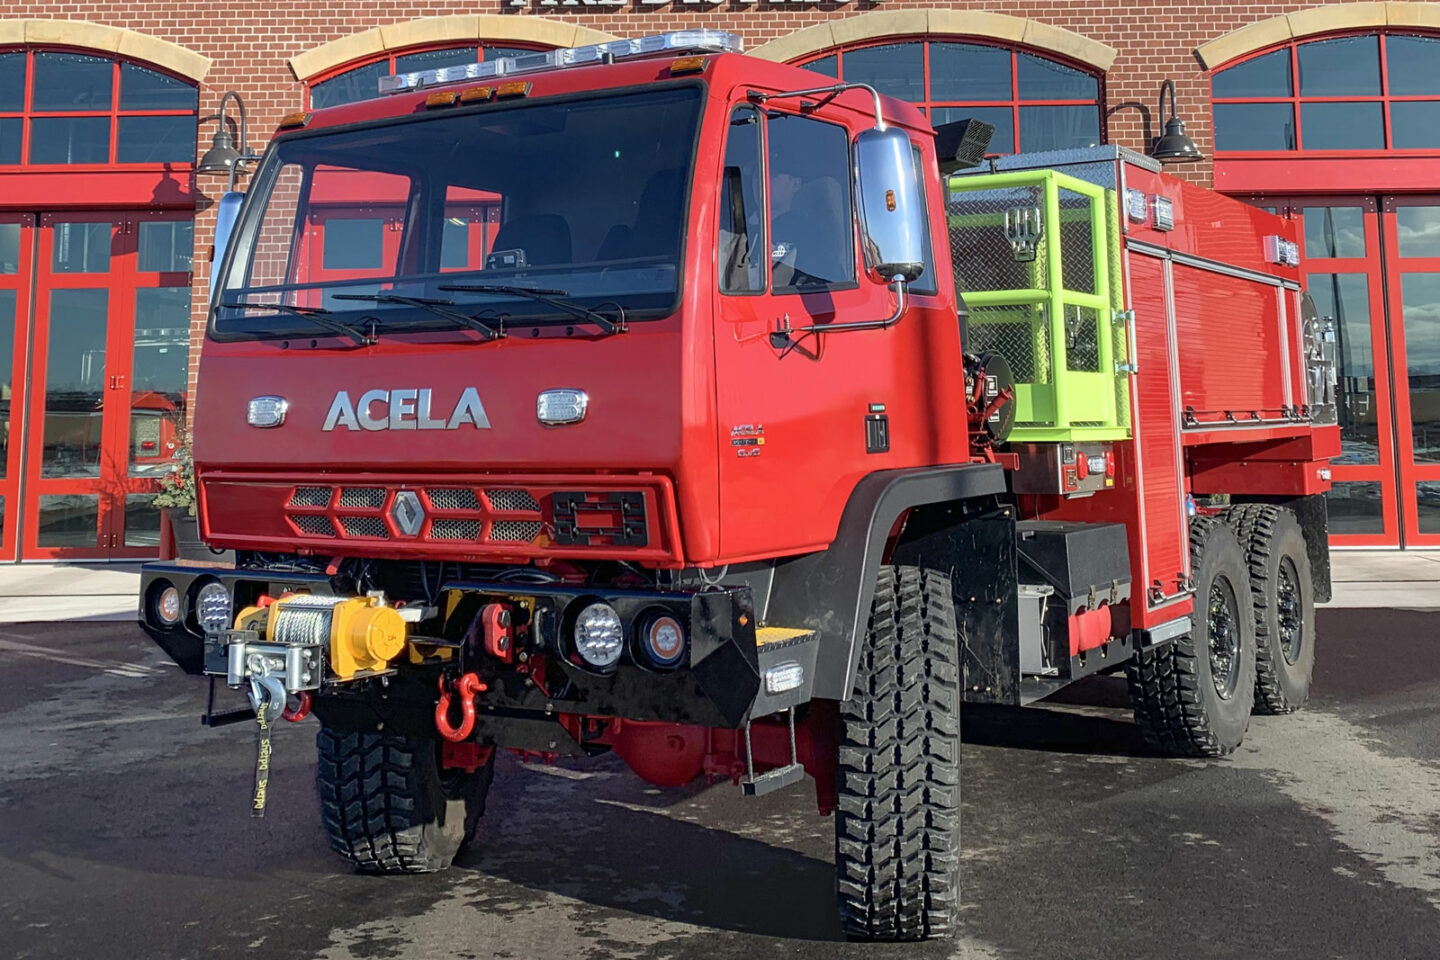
(389, 808)
(1284, 595)
(897, 828)
(1173, 689)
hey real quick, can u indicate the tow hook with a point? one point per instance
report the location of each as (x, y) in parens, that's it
(267, 695)
(468, 687)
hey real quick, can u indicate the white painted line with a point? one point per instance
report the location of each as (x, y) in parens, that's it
(132, 670)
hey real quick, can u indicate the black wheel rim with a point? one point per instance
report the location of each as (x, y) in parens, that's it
(1289, 614)
(1223, 619)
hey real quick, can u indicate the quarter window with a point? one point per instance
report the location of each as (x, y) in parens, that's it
(742, 207)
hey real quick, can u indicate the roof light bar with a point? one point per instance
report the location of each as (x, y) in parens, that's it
(678, 42)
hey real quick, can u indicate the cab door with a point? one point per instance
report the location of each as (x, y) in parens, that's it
(793, 403)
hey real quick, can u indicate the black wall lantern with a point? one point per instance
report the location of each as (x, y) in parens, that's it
(223, 155)
(1173, 146)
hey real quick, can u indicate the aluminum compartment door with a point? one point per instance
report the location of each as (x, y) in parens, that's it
(1164, 565)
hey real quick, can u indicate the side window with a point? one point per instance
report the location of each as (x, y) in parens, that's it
(925, 283)
(811, 225)
(742, 207)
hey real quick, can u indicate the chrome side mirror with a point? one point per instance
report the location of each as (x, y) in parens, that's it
(892, 223)
(227, 211)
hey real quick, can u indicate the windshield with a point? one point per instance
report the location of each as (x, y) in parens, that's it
(568, 213)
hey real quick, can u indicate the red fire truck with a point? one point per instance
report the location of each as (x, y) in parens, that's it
(625, 398)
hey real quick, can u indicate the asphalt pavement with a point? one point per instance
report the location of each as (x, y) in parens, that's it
(124, 833)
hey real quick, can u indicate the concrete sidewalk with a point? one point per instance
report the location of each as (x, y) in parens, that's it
(45, 592)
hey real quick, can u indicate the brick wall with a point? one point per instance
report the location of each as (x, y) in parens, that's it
(1155, 39)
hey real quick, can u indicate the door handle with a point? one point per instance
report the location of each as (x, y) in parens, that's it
(117, 382)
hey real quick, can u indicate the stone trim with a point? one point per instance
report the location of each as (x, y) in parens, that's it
(1012, 31)
(1312, 21)
(127, 44)
(372, 43)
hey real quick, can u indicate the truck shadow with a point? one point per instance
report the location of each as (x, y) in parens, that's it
(1090, 717)
(695, 858)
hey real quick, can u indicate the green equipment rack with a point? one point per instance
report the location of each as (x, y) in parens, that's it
(1037, 263)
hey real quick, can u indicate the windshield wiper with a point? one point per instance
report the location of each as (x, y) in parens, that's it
(436, 307)
(549, 298)
(316, 315)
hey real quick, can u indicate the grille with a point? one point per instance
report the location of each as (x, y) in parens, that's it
(515, 531)
(451, 529)
(454, 500)
(365, 527)
(512, 500)
(370, 497)
(310, 497)
(314, 526)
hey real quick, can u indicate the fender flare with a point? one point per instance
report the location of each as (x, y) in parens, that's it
(830, 591)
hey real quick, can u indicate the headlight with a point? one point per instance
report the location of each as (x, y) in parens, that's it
(599, 635)
(166, 605)
(212, 608)
(663, 641)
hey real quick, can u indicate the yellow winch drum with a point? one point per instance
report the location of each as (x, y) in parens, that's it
(362, 633)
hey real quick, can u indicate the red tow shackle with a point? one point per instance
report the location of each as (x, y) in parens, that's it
(468, 686)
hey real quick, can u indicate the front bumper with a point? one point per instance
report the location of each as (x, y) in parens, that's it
(718, 683)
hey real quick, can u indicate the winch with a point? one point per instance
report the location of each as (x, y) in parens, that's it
(284, 646)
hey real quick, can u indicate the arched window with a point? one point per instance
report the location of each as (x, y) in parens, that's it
(1371, 91)
(68, 107)
(362, 82)
(1034, 102)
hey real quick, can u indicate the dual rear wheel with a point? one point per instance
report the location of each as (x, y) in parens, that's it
(1251, 644)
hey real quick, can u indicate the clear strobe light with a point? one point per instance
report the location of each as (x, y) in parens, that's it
(212, 608)
(679, 41)
(599, 635)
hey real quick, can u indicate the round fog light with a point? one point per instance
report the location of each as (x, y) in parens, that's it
(167, 606)
(599, 635)
(212, 608)
(664, 641)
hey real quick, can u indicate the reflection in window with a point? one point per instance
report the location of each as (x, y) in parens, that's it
(1420, 296)
(70, 140)
(160, 377)
(71, 81)
(75, 383)
(1334, 231)
(1052, 105)
(1417, 231)
(11, 129)
(81, 247)
(156, 140)
(357, 244)
(9, 248)
(12, 82)
(1343, 126)
(812, 240)
(7, 374)
(69, 520)
(142, 520)
(167, 246)
(142, 89)
(1355, 508)
(1342, 101)
(1345, 298)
